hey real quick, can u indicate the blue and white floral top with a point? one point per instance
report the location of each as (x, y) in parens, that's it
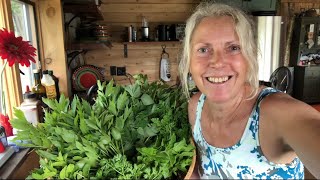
(245, 159)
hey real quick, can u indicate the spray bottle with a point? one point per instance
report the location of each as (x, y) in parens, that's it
(165, 65)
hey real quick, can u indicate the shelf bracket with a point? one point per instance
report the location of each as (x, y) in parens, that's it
(125, 50)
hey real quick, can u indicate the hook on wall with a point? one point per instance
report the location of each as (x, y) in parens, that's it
(164, 50)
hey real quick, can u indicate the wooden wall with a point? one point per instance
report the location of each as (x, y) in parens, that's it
(143, 57)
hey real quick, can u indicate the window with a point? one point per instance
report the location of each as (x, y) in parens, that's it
(25, 10)
(24, 22)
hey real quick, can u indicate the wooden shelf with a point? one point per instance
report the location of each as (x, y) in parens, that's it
(153, 42)
(83, 9)
(90, 45)
(94, 45)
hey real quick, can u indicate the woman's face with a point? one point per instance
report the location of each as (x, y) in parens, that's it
(217, 64)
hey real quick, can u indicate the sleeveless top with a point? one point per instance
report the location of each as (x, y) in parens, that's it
(245, 159)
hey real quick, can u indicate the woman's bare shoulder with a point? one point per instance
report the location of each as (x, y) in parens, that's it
(282, 107)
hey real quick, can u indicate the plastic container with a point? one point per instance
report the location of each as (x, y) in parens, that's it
(48, 82)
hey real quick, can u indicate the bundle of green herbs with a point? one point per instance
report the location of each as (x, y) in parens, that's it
(137, 131)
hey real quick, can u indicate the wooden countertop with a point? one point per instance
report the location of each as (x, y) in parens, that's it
(19, 164)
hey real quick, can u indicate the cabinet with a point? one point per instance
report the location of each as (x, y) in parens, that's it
(88, 11)
(305, 46)
(306, 85)
(85, 9)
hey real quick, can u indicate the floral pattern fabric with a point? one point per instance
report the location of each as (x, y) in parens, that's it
(245, 159)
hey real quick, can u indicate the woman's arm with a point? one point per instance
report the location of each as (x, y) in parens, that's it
(298, 124)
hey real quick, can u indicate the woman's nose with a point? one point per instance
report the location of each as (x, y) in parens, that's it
(217, 59)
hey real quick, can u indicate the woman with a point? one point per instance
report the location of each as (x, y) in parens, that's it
(242, 130)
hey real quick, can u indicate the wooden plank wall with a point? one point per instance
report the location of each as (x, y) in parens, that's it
(143, 57)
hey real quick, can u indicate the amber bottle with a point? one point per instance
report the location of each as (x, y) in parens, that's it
(38, 88)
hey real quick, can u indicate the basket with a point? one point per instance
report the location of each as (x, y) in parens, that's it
(193, 163)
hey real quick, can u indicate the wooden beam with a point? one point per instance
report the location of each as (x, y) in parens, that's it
(52, 33)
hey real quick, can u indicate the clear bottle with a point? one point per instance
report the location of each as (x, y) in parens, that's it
(38, 88)
(31, 107)
(48, 82)
(56, 81)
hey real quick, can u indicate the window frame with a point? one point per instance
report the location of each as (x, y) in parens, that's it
(11, 78)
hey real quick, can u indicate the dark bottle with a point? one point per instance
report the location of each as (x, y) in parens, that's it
(38, 88)
(56, 82)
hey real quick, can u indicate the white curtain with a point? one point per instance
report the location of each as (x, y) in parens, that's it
(269, 39)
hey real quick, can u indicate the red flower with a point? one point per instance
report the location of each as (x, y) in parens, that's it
(15, 50)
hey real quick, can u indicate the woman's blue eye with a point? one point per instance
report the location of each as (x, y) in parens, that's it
(203, 50)
(234, 49)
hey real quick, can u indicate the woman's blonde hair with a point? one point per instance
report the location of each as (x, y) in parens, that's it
(245, 29)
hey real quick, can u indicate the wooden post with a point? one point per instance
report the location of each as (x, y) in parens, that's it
(52, 36)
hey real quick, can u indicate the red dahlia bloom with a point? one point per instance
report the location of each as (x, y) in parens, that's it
(15, 50)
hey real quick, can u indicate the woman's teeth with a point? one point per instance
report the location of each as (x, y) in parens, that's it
(218, 79)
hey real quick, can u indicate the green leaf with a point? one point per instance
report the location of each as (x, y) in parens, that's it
(109, 88)
(127, 112)
(74, 105)
(134, 90)
(70, 169)
(60, 163)
(140, 131)
(119, 123)
(112, 107)
(146, 99)
(122, 101)
(86, 107)
(19, 121)
(108, 119)
(46, 154)
(63, 173)
(92, 122)
(105, 139)
(115, 134)
(83, 125)
(79, 146)
(151, 131)
(86, 170)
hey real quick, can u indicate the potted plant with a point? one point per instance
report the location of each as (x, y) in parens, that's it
(137, 131)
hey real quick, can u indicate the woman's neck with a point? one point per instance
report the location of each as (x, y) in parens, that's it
(227, 112)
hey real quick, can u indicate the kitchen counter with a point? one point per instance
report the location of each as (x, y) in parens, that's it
(19, 164)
